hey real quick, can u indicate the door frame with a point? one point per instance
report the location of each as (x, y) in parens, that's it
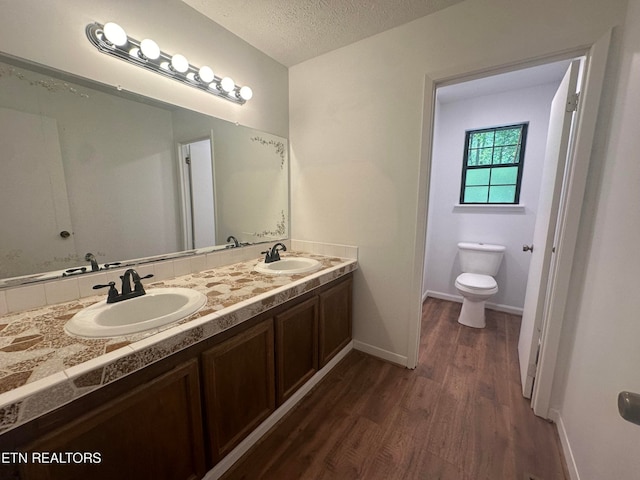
(568, 217)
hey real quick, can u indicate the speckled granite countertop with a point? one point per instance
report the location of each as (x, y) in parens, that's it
(42, 368)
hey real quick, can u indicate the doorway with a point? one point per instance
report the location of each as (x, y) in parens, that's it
(571, 191)
(198, 193)
(518, 97)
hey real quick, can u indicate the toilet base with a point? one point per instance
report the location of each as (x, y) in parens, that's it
(472, 314)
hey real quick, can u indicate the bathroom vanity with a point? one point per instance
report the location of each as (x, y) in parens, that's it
(171, 405)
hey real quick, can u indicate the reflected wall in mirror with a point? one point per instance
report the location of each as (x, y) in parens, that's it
(85, 168)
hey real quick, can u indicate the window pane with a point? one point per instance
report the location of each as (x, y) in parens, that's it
(505, 155)
(472, 158)
(485, 156)
(481, 139)
(504, 175)
(510, 136)
(505, 194)
(475, 194)
(477, 176)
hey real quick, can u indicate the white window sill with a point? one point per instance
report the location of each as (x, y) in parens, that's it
(462, 208)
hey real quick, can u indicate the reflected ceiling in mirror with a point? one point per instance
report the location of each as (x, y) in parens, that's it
(88, 169)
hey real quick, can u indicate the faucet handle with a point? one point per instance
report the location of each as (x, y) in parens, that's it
(138, 283)
(110, 285)
(113, 292)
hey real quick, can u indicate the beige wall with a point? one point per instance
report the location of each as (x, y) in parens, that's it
(356, 132)
(356, 136)
(52, 33)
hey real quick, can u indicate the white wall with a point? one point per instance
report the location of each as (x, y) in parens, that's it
(356, 132)
(601, 337)
(492, 224)
(52, 33)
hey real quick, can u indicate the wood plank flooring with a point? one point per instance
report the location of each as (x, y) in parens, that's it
(459, 415)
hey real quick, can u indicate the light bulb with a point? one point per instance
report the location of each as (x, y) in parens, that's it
(179, 63)
(115, 34)
(149, 49)
(246, 93)
(205, 74)
(227, 84)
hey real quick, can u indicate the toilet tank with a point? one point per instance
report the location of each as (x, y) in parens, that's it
(480, 257)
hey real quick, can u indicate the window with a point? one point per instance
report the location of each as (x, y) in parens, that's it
(492, 165)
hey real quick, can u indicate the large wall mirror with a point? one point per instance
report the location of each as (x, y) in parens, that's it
(88, 169)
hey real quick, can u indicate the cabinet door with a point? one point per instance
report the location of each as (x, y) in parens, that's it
(153, 432)
(239, 386)
(335, 320)
(296, 347)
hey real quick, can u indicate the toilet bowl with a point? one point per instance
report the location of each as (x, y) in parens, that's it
(479, 262)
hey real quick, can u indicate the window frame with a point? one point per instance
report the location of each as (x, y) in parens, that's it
(519, 164)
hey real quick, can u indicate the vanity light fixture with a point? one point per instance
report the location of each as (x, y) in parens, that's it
(111, 39)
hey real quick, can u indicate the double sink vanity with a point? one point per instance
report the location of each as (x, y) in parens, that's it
(180, 380)
(167, 384)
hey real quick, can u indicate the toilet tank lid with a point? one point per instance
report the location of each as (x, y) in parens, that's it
(481, 246)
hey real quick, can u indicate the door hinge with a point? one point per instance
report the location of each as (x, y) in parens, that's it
(187, 160)
(572, 103)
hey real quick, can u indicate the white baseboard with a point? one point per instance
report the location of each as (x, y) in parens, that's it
(380, 353)
(564, 442)
(458, 298)
(243, 447)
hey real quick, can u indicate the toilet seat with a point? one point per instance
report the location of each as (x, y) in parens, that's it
(476, 282)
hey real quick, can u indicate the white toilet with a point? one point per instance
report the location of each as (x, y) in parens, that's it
(480, 263)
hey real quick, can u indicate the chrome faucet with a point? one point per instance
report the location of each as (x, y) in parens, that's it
(273, 255)
(90, 257)
(129, 276)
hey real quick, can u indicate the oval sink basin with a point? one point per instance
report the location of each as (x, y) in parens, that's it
(160, 306)
(289, 266)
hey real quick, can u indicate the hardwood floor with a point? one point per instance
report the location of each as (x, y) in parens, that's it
(459, 415)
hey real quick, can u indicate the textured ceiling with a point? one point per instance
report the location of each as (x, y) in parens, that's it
(292, 31)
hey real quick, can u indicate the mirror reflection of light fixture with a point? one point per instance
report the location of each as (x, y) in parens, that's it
(111, 39)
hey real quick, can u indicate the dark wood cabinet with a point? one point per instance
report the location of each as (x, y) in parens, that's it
(335, 320)
(296, 347)
(239, 379)
(177, 418)
(152, 432)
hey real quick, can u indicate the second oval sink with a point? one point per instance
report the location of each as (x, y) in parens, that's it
(160, 306)
(289, 266)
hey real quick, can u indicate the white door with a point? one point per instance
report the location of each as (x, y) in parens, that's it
(198, 177)
(558, 141)
(34, 207)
